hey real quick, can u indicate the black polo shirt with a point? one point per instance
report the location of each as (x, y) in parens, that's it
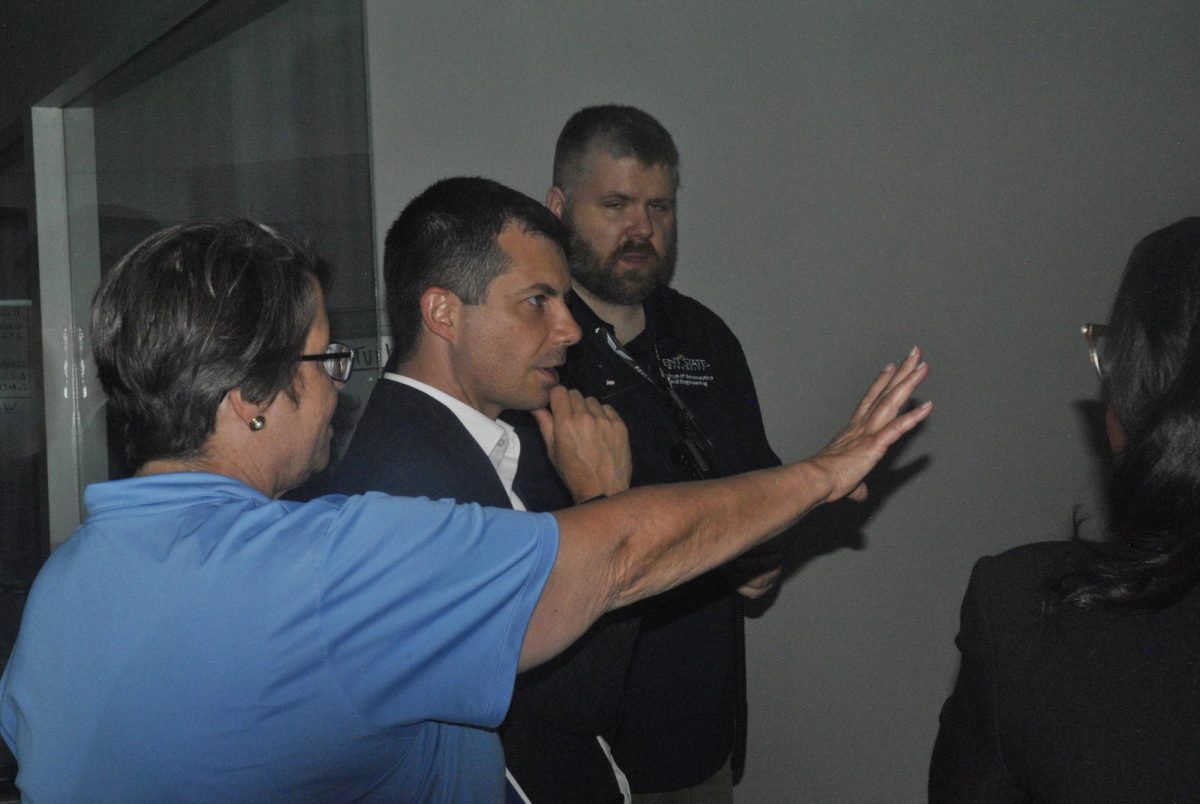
(684, 703)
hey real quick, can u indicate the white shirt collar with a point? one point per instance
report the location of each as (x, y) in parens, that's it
(496, 438)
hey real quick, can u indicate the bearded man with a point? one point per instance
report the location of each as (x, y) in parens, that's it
(679, 379)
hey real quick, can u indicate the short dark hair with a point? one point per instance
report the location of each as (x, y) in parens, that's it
(193, 312)
(1151, 359)
(621, 131)
(447, 237)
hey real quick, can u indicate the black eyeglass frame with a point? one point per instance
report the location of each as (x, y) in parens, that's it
(337, 360)
(1092, 333)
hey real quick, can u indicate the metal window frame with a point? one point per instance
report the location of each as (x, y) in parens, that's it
(66, 224)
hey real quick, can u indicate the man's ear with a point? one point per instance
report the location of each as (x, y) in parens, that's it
(440, 312)
(556, 200)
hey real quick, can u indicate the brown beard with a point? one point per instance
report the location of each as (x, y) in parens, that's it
(599, 276)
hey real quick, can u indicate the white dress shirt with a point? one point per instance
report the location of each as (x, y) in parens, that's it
(496, 438)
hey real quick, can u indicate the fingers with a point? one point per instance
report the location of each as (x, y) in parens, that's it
(564, 404)
(904, 381)
(874, 391)
(887, 381)
(559, 396)
(912, 365)
(569, 409)
(601, 411)
(570, 402)
(561, 402)
(876, 425)
(896, 392)
(588, 444)
(593, 407)
(903, 373)
(760, 585)
(902, 424)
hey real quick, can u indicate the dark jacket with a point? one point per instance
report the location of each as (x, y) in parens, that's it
(1099, 706)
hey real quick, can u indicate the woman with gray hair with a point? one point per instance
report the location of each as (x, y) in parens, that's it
(199, 639)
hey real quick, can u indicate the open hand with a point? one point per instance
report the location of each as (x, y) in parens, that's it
(875, 426)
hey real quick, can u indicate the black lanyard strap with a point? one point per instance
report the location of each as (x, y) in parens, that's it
(692, 449)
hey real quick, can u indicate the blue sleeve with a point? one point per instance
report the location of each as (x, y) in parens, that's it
(425, 605)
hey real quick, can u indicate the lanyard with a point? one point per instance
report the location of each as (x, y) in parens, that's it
(692, 450)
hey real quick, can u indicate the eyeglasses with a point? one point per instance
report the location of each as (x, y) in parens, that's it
(1092, 333)
(337, 360)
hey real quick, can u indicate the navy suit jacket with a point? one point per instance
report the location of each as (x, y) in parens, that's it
(408, 443)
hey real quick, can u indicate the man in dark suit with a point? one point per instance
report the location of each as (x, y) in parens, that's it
(476, 279)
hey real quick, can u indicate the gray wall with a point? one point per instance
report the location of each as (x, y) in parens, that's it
(858, 177)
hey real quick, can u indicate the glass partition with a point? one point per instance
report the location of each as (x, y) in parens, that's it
(24, 542)
(269, 122)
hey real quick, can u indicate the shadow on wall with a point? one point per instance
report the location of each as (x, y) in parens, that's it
(841, 525)
(1084, 523)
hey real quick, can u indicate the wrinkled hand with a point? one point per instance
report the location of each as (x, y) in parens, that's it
(875, 426)
(587, 442)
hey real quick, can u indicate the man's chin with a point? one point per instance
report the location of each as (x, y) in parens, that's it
(631, 293)
(534, 400)
(625, 291)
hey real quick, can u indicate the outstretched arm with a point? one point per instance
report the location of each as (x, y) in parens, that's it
(642, 542)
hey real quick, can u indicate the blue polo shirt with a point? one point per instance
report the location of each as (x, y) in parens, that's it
(195, 640)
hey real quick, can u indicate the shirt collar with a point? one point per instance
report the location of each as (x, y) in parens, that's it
(588, 319)
(166, 491)
(495, 437)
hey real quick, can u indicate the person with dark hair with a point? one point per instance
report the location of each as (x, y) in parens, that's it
(677, 374)
(447, 237)
(200, 639)
(476, 280)
(1080, 658)
(621, 131)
